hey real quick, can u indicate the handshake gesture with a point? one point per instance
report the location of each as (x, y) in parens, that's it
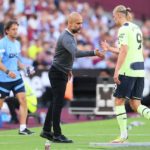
(100, 54)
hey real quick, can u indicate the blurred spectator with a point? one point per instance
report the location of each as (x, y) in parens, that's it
(146, 33)
(35, 48)
(44, 58)
(1, 30)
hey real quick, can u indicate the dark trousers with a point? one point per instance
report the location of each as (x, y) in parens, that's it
(58, 82)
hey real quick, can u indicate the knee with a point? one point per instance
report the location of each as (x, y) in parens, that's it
(22, 101)
(134, 104)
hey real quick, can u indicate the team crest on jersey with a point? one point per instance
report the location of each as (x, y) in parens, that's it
(12, 55)
(121, 37)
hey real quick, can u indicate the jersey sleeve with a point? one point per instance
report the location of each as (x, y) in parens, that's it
(19, 52)
(2, 50)
(19, 47)
(122, 36)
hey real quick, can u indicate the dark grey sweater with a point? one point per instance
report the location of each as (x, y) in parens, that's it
(66, 51)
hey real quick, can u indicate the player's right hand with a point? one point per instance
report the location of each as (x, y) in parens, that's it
(29, 71)
(12, 74)
(116, 77)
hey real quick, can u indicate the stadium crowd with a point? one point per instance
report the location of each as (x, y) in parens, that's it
(42, 21)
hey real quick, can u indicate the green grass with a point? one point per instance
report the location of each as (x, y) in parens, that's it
(81, 133)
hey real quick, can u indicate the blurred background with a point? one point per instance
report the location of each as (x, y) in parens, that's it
(90, 91)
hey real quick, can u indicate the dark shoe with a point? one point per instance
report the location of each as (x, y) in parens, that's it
(26, 132)
(61, 139)
(47, 135)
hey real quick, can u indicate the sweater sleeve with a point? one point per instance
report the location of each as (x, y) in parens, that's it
(80, 53)
(69, 44)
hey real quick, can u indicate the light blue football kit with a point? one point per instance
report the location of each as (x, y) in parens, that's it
(9, 55)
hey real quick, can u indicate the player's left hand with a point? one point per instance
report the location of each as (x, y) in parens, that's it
(116, 78)
(29, 71)
(100, 54)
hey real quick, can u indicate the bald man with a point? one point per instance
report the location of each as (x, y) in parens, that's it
(60, 72)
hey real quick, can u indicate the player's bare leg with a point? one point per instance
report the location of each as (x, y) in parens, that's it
(23, 114)
(1, 103)
(141, 109)
(23, 107)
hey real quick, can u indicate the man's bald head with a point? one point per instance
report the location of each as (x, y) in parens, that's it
(74, 22)
(73, 17)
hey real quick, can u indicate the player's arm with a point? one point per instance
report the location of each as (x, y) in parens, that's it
(2, 67)
(27, 70)
(106, 47)
(123, 49)
(2, 51)
(7, 71)
(21, 66)
(121, 57)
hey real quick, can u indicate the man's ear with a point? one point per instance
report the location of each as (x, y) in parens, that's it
(6, 32)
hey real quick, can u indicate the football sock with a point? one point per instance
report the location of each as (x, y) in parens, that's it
(122, 120)
(22, 127)
(144, 111)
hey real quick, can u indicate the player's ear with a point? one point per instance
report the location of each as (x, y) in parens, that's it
(6, 32)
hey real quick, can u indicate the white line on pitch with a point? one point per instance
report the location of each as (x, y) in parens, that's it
(145, 144)
(84, 135)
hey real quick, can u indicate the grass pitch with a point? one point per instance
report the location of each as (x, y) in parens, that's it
(83, 134)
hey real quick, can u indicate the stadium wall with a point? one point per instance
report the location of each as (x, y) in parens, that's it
(139, 7)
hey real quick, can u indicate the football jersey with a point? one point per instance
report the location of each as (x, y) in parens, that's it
(130, 34)
(9, 54)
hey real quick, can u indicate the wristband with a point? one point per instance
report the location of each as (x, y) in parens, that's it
(7, 71)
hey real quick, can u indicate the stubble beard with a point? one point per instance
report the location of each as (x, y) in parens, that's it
(75, 31)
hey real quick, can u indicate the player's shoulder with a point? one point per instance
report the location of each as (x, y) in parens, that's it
(2, 39)
(122, 28)
(17, 42)
(126, 27)
(133, 25)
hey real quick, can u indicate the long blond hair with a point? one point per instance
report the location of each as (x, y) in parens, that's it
(124, 10)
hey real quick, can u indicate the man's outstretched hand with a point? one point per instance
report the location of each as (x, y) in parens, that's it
(100, 54)
(105, 46)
